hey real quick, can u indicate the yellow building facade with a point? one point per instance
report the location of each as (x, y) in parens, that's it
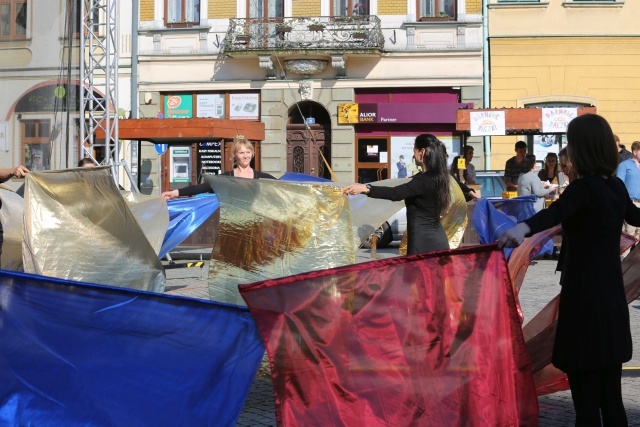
(565, 53)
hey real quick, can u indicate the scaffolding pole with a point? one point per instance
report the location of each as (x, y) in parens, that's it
(99, 78)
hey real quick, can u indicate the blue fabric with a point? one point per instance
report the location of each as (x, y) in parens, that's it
(185, 216)
(302, 177)
(629, 173)
(491, 218)
(76, 354)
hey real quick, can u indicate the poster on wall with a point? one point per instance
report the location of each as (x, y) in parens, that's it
(244, 106)
(486, 123)
(402, 164)
(210, 158)
(546, 143)
(210, 105)
(557, 119)
(178, 106)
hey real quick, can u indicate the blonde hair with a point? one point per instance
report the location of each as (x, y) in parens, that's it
(241, 140)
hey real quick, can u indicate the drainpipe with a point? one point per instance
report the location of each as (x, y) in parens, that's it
(485, 77)
(135, 18)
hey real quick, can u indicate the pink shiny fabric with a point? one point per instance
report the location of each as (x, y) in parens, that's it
(540, 331)
(427, 340)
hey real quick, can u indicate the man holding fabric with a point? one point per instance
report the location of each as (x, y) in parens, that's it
(6, 175)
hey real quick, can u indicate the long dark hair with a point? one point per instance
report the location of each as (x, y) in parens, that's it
(435, 162)
(591, 146)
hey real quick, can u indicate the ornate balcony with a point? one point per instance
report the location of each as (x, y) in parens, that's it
(322, 35)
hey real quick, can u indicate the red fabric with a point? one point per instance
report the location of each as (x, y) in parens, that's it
(427, 340)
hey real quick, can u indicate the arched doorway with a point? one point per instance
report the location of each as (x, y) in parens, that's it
(306, 147)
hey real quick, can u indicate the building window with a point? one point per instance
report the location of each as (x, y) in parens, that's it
(436, 9)
(266, 8)
(179, 12)
(13, 19)
(350, 7)
(36, 144)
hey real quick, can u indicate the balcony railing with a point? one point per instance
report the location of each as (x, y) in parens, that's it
(327, 34)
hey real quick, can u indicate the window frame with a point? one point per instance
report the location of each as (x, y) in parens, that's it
(184, 23)
(13, 8)
(437, 16)
(351, 8)
(38, 139)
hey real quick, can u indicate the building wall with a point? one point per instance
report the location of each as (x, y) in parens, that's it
(221, 9)
(567, 52)
(474, 6)
(146, 10)
(392, 7)
(306, 8)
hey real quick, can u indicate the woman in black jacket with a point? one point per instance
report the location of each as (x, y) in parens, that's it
(593, 336)
(426, 195)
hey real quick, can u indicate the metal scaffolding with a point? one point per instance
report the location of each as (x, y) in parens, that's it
(99, 63)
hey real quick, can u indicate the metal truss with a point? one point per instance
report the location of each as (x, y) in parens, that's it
(99, 74)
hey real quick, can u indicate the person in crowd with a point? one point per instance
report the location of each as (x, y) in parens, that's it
(427, 196)
(402, 167)
(86, 162)
(629, 173)
(593, 336)
(243, 153)
(5, 175)
(529, 183)
(470, 174)
(623, 153)
(565, 174)
(550, 170)
(469, 193)
(515, 166)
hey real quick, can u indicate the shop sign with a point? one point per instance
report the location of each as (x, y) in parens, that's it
(178, 106)
(210, 158)
(210, 105)
(244, 106)
(556, 120)
(487, 123)
(401, 112)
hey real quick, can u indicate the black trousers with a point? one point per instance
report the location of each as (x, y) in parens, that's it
(598, 393)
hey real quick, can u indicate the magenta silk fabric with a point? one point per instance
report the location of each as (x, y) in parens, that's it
(540, 332)
(426, 340)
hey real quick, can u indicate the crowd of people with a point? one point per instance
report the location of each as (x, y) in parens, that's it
(593, 337)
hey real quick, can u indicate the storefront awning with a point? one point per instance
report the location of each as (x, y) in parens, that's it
(516, 120)
(165, 131)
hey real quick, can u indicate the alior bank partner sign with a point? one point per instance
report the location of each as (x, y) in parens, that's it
(399, 113)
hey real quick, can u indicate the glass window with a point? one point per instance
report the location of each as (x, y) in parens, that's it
(350, 7)
(13, 19)
(36, 144)
(266, 8)
(436, 8)
(182, 11)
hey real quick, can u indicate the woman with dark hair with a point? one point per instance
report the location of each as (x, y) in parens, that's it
(550, 170)
(427, 196)
(593, 336)
(456, 173)
(529, 183)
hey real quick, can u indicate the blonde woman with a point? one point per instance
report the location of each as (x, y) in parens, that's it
(243, 152)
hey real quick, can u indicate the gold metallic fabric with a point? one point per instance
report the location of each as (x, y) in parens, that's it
(11, 218)
(270, 229)
(455, 219)
(152, 215)
(77, 226)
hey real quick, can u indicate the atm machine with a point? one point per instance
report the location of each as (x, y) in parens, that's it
(180, 166)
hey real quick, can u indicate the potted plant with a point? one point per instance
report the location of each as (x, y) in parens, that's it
(282, 28)
(315, 26)
(359, 35)
(243, 38)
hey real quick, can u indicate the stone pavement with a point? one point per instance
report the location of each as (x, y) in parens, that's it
(540, 285)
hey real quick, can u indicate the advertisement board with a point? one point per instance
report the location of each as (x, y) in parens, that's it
(244, 106)
(210, 105)
(178, 106)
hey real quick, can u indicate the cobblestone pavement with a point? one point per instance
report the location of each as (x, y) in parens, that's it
(540, 285)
